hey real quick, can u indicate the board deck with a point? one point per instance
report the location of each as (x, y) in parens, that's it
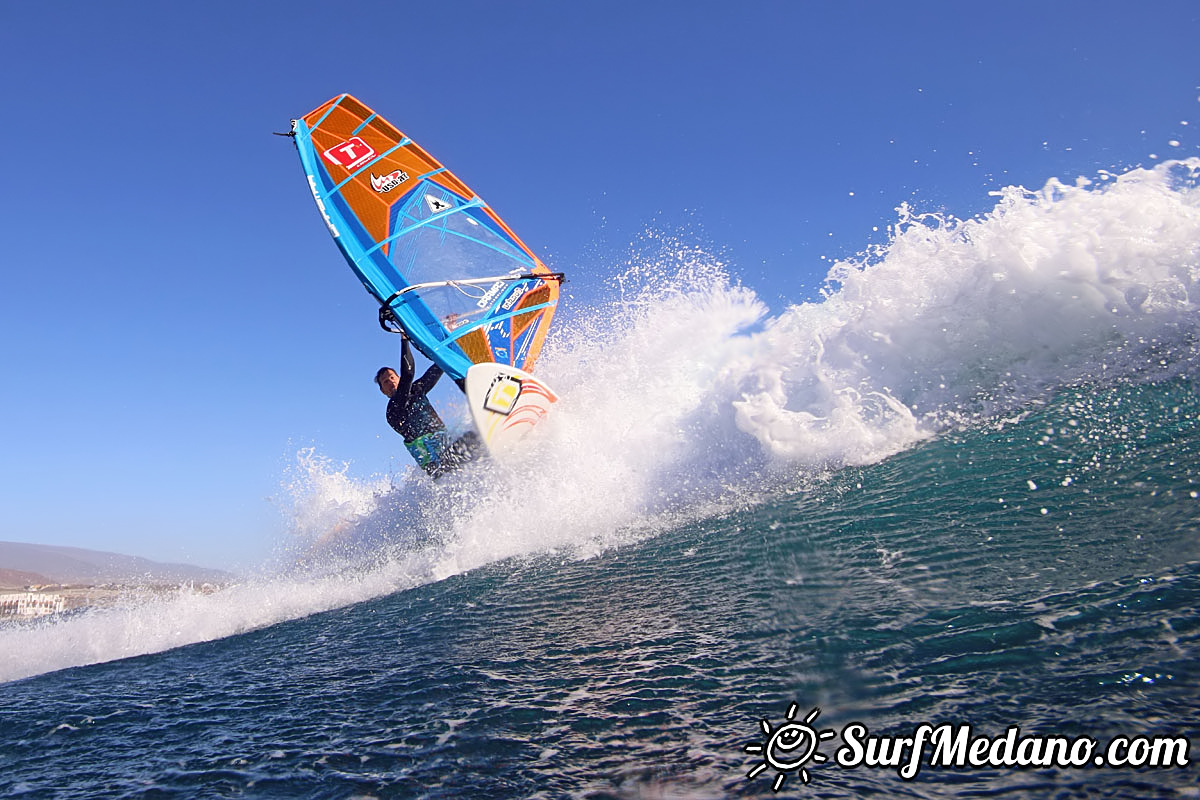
(506, 403)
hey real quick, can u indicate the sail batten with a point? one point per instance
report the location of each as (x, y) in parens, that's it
(473, 204)
(366, 122)
(370, 164)
(332, 105)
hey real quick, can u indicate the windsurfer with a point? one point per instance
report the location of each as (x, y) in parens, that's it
(411, 415)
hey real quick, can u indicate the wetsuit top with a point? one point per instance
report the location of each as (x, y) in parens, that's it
(411, 415)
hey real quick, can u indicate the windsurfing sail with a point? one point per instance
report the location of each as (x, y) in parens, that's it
(444, 267)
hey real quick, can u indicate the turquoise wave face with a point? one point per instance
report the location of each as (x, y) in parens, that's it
(960, 489)
(1039, 571)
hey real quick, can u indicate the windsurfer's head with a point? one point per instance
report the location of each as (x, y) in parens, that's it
(387, 380)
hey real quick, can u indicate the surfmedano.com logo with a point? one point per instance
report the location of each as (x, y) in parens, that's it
(790, 747)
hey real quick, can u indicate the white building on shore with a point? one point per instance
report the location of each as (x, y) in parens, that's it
(31, 604)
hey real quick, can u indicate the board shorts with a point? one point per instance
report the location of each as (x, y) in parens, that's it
(437, 454)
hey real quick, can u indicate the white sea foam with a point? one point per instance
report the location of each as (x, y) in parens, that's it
(954, 317)
(684, 393)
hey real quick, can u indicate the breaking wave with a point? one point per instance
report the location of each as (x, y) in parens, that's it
(683, 395)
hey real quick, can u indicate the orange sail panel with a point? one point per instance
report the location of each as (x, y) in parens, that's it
(443, 266)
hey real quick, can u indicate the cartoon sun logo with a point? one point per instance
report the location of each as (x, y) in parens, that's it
(789, 747)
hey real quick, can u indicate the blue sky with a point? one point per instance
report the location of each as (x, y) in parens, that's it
(176, 324)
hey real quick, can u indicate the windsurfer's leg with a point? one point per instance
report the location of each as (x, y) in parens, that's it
(466, 448)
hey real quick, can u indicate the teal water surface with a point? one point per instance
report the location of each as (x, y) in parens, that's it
(1041, 571)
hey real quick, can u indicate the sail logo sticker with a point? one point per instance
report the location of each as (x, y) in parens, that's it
(350, 154)
(490, 296)
(385, 183)
(517, 293)
(436, 204)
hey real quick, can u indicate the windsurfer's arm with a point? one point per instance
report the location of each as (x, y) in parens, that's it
(427, 380)
(407, 368)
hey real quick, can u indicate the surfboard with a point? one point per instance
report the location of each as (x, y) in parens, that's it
(445, 269)
(506, 404)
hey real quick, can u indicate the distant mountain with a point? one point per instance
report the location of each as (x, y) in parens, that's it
(14, 579)
(76, 565)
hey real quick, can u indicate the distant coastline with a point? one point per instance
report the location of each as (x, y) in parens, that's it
(85, 578)
(75, 597)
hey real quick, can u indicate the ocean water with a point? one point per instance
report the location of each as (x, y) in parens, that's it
(961, 489)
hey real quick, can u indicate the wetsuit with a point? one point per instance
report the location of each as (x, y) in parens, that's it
(411, 415)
